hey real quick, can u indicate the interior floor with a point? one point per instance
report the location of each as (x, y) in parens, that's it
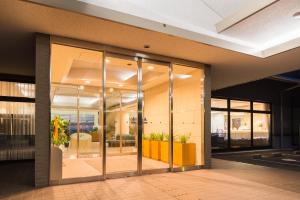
(85, 167)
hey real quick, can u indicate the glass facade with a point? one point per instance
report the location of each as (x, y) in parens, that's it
(237, 124)
(113, 114)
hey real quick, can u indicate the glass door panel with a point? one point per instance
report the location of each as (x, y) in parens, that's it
(121, 114)
(76, 94)
(155, 142)
(188, 115)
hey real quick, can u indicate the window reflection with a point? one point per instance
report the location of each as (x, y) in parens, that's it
(243, 105)
(261, 106)
(219, 135)
(218, 103)
(261, 129)
(240, 127)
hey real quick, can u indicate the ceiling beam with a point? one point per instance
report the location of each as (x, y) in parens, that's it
(252, 8)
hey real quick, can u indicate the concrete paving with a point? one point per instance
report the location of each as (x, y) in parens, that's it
(227, 180)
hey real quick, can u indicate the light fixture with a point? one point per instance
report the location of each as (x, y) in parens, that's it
(150, 67)
(183, 76)
(107, 60)
(87, 81)
(120, 85)
(296, 15)
(81, 87)
(146, 46)
(111, 90)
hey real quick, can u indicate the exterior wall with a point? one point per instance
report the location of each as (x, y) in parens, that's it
(207, 117)
(17, 53)
(42, 99)
(269, 91)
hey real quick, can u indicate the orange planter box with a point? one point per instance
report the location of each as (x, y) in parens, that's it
(155, 150)
(164, 151)
(146, 148)
(184, 154)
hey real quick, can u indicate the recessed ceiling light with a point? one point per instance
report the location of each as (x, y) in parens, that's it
(129, 64)
(183, 76)
(111, 89)
(87, 81)
(120, 85)
(150, 67)
(297, 15)
(146, 46)
(107, 60)
(81, 87)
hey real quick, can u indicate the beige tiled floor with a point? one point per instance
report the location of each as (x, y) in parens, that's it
(218, 183)
(83, 167)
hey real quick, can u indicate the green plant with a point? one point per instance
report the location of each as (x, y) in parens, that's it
(165, 137)
(152, 136)
(63, 131)
(183, 138)
(145, 137)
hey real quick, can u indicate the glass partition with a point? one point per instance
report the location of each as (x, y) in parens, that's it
(188, 114)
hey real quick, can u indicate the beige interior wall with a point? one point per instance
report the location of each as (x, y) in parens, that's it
(188, 110)
(156, 109)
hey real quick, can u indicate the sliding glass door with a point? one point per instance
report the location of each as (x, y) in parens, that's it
(156, 112)
(121, 114)
(115, 115)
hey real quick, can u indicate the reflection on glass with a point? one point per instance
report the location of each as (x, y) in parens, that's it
(17, 133)
(155, 88)
(235, 104)
(76, 93)
(261, 106)
(261, 129)
(240, 129)
(218, 103)
(188, 112)
(13, 89)
(121, 115)
(219, 123)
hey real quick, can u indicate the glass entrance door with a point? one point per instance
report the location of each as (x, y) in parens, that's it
(156, 112)
(121, 114)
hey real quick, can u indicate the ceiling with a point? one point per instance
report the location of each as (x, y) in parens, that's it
(246, 26)
(228, 67)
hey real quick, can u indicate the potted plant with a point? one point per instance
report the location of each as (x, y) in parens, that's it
(164, 148)
(146, 146)
(95, 135)
(59, 129)
(184, 152)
